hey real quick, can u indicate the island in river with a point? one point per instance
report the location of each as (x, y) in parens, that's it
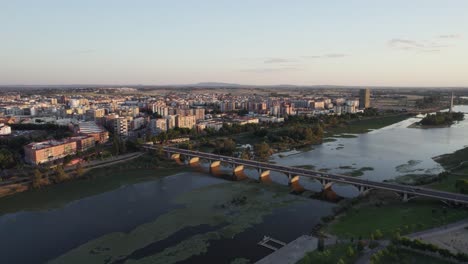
(439, 119)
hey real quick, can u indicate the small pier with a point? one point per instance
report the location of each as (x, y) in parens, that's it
(271, 243)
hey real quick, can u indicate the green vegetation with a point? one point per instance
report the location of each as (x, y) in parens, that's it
(359, 172)
(453, 160)
(422, 246)
(456, 165)
(462, 185)
(262, 151)
(221, 206)
(308, 167)
(416, 215)
(95, 181)
(363, 125)
(395, 254)
(7, 159)
(420, 179)
(340, 253)
(442, 118)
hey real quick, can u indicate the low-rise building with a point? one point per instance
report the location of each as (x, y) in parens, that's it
(50, 150)
(4, 130)
(83, 142)
(99, 134)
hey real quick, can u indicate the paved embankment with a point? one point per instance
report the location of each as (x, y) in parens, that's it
(292, 252)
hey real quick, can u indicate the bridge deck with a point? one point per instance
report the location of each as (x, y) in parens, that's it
(401, 189)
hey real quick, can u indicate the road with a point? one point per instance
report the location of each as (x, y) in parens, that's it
(401, 189)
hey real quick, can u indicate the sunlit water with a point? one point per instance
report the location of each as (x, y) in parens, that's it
(390, 151)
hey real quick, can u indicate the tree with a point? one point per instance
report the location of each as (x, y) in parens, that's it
(60, 174)
(378, 234)
(7, 159)
(115, 146)
(262, 151)
(350, 252)
(36, 179)
(320, 244)
(79, 170)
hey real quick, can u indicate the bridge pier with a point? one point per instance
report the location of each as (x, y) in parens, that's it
(363, 190)
(175, 156)
(214, 164)
(237, 169)
(194, 160)
(264, 175)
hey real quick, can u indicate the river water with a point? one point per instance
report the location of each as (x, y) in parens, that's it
(138, 216)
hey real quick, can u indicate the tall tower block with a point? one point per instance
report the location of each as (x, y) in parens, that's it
(451, 103)
(364, 98)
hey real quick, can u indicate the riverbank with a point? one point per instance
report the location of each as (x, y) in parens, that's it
(386, 212)
(93, 181)
(21, 184)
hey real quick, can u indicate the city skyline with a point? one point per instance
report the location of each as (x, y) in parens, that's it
(421, 43)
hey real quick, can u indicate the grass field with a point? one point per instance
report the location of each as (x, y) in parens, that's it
(403, 256)
(407, 218)
(331, 255)
(448, 184)
(364, 125)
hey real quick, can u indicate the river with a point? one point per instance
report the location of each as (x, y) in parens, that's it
(140, 215)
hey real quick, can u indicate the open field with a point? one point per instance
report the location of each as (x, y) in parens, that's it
(364, 125)
(331, 255)
(415, 215)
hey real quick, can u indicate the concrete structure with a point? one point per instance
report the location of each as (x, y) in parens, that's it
(99, 134)
(46, 151)
(326, 179)
(94, 114)
(121, 127)
(4, 130)
(364, 98)
(83, 142)
(188, 121)
(292, 252)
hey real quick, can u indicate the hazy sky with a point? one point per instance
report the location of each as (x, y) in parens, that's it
(346, 42)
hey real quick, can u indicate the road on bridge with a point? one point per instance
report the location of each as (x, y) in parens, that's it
(401, 189)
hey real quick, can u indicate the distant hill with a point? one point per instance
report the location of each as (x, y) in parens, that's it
(207, 84)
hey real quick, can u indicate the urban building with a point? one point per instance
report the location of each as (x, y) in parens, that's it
(4, 130)
(83, 142)
(99, 134)
(120, 127)
(46, 151)
(364, 98)
(188, 121)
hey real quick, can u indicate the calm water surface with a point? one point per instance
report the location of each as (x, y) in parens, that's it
(36, 236)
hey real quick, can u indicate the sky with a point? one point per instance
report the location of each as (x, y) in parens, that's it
(259, 42)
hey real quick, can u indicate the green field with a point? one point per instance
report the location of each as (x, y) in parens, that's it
(448, 184)
(405, 256)
(406, 218)
(331, 255)
(364, 125)
(457, 164)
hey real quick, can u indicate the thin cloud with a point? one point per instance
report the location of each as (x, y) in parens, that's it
(326, 56)
(450, 36)
(435, 44)
(335, 55)
(270, 70)
(404, 44)
(278, 60)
